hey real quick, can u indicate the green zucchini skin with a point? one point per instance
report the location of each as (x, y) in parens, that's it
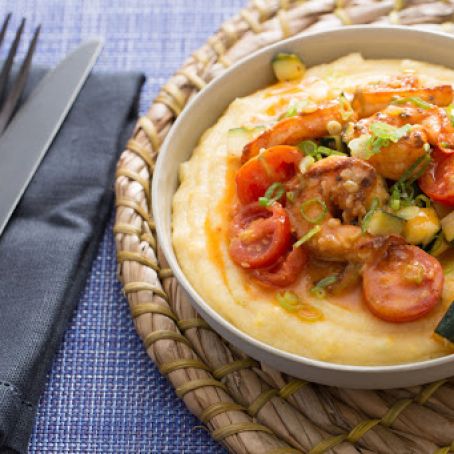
(446, 326)
(288, 67)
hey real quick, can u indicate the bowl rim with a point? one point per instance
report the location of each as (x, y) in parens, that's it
(169, 253)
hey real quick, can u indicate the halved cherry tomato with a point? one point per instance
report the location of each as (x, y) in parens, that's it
(284, 272)
(259, 235)
(438, 180)
(403, 285)
(275, 164)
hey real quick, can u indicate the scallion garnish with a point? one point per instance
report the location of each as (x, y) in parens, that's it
(450, 112)
(409, 176)
(288, 300)
(272, 194)
(368, 216)
(307, 236)
(325, 151)
(346, 110)
(308, 147)
(290, 196)
(422, 201)
(394, 201)
(403, 190)
(382, 134)
(295, 108)
(319, 288)
(416, 100)
(305, 206)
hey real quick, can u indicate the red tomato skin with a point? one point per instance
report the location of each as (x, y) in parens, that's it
(276, 164)
(437, 182)
(285, 272)
(259, 235)
(389, 297)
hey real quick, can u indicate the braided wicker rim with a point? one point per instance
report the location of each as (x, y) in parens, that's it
(247, 406)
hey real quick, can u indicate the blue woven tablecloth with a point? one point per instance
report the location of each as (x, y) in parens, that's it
(104, 394)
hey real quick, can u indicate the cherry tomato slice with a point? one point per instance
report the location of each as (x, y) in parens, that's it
(403, 285)
(275, 164)
(438, 180)
(285, 272)
(259, 235)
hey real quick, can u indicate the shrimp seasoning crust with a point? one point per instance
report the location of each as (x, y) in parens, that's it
(317, 215)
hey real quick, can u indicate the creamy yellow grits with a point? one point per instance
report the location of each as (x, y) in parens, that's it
(347, 333)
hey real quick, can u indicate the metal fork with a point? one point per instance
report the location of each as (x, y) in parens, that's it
(8, 101)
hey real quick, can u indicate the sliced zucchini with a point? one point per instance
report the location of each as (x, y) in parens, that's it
(288, 67)
(447, 224)
(422, 224)
(237, 138)
(384, 223)
(446, 326)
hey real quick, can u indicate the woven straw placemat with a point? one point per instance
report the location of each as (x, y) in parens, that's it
(247, 406)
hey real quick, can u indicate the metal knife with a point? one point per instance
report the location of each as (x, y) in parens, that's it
(30, 133)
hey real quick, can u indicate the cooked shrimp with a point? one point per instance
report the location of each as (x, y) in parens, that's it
(369, 100)
(429, 126)
(290, 131)
(346, 187)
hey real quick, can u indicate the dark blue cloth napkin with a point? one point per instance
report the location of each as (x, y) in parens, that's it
(47, 247)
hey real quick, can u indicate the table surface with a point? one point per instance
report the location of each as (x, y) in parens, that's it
(103, 393)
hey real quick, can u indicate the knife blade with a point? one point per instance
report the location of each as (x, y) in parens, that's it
(31, 132)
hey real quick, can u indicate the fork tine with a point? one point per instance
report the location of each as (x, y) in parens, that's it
(4, 75)
(19, 84)
(4, 27)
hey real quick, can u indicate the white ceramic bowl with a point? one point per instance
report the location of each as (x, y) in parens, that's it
(247, 76)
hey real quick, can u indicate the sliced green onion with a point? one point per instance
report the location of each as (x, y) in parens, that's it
(382, 134)
(325, 151)
(290, 196)
(422, 201)
(389, 132)
(346, 110)
(409, 176)
(359, 147)
(272, 194)
(308, 147)
(319, 288)
(308, 203)
(291, 112)
(450, 112)
(394, 201)
(288, 300)
(375, 145)
(305, 164)
(416, 100)
(403, 190)
(295, 108)
(369, 214)
(307, 236)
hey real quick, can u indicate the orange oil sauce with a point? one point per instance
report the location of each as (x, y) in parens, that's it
(216, 235)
